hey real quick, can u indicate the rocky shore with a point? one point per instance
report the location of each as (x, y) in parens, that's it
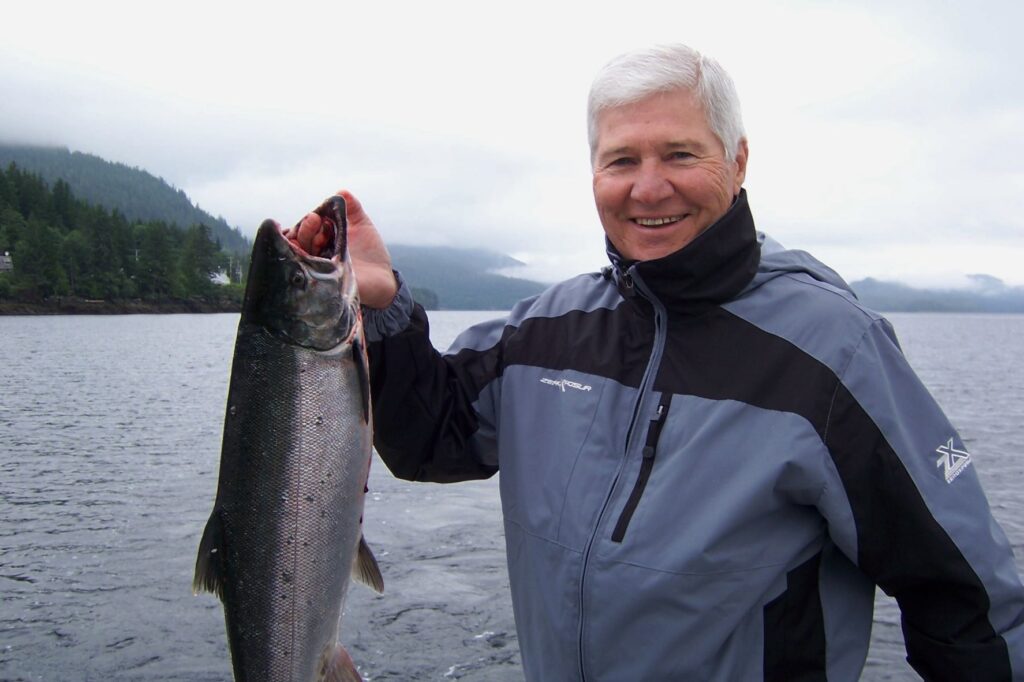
(82, 306)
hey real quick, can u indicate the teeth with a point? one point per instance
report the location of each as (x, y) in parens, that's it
(655, 222)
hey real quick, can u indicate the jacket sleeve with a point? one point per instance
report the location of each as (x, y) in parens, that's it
(917, 521)
(431, 422)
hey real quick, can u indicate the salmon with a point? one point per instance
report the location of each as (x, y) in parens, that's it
(285, 535)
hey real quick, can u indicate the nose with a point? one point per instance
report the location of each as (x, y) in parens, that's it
(651, 184)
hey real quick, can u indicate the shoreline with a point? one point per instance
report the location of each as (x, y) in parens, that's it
(81, 306)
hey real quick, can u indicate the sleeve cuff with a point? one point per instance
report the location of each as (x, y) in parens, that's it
(379, 323)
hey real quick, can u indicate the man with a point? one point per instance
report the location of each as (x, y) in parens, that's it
(710, 453)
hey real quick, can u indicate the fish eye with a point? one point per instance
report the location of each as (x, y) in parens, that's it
(297, 279)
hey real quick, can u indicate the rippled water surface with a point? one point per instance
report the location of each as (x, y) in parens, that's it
(109, 443)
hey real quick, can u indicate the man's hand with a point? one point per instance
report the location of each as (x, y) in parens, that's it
(370, 258)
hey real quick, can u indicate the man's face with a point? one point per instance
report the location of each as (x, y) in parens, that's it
(660, 174)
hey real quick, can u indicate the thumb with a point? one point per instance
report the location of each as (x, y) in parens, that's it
(353, 207)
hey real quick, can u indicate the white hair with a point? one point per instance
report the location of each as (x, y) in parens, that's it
(635, 75)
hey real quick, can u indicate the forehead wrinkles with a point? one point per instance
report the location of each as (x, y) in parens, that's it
(678, 113)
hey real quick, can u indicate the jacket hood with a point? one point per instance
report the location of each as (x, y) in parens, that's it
(728, 258)
(776, 260)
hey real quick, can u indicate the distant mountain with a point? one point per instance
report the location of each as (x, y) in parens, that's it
(460, 279)
(441, 277)
(135, 193)
(986, 294)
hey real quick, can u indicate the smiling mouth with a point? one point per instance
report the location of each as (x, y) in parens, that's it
(657, 222)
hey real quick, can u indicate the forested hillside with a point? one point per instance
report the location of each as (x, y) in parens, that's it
(61, 246)
(133, 192)
(78, 226)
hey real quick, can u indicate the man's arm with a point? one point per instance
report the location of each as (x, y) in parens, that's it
(428, 421)
(921, 527)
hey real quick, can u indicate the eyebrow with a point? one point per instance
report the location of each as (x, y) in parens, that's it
(671, 146)
(686, 144)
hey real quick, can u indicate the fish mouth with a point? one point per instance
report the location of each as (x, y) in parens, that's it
(328, 249)
(330, 243)
(298, 292)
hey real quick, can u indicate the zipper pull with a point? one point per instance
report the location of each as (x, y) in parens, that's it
(654, 430)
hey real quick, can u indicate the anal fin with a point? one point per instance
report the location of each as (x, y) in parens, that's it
(337, 666)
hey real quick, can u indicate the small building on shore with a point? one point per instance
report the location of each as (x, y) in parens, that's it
(6, 262)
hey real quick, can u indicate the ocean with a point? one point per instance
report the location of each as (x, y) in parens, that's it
(110, 433)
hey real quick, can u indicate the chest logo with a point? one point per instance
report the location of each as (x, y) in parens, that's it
(954, 461)
(565, 383)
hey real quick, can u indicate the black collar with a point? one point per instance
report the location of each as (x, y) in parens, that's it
(708, 271)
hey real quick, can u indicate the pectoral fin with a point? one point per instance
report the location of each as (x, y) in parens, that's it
(365, 569)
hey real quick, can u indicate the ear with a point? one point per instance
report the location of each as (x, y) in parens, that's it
(742, 152)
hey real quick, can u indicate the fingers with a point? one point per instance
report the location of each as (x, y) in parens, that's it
(306, 232)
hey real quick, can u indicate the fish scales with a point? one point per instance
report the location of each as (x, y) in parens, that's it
(304, 461)
(286, 527)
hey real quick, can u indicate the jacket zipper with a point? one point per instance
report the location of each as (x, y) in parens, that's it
(646, 465)
(650, 372)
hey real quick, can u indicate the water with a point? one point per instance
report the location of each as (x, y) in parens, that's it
(109, 443)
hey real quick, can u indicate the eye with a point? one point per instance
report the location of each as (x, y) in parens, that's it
(680, 156)
(298, 279)
(622, 162)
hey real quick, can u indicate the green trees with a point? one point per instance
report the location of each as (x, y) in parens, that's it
(37, 270)
(135, 193)
(200, 259)
(61, 246)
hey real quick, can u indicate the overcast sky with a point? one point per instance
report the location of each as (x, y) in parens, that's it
(885, 138)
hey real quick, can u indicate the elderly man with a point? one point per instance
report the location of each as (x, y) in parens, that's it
(710, 453)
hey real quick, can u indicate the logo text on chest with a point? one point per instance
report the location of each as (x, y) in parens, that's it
(564, 384)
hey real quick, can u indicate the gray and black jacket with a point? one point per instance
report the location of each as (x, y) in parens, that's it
(708, 461)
